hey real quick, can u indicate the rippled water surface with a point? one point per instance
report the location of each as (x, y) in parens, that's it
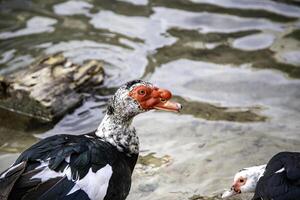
(233, 64)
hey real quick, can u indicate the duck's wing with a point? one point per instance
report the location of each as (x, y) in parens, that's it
(281, 180)
(60, 167)
(11, 176)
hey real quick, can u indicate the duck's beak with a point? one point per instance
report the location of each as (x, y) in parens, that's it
(164, 102)
(228, 193)
(231, 192)
(168, 106)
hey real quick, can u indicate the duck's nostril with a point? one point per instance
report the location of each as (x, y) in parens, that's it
(180, 106)
(232, 188)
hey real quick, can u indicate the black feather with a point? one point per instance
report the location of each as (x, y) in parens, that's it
(131, 83)
(283, 185)
(7, 183)
(85, 153)
(110, 110)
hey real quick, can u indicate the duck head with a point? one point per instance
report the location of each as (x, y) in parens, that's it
(131, 99)
(139, 96)
(245, 181)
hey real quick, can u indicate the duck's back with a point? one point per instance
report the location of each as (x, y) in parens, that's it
(281, 180)
(69, 167)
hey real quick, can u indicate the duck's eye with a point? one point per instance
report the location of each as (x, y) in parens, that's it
(163, 100)
(242, 180)
(141, 92)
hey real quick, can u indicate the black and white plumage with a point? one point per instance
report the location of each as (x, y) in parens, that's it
(96, 166)
(278, 180)
(71, 167)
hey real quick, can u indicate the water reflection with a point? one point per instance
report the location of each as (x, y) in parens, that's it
(292, 57)
(211, 22)
(83, 120)
(34, 25)
(254, 42)
(148, 30)
(137, 2)
(270, 6)
(72, 8)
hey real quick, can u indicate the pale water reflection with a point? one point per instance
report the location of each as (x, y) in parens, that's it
(254, 42)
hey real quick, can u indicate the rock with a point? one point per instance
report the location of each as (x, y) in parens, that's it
(148, 187)
(154, 161)
(49, 88)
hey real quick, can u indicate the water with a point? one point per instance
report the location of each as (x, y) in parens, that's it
(234, 65)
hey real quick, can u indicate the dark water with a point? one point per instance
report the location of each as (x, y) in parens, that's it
(233, 64)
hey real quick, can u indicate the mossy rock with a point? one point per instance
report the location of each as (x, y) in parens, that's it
(47, 89)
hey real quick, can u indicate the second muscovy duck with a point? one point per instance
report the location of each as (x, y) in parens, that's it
(95, 166)
(278, 180)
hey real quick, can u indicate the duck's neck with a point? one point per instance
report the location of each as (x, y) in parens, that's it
(259, 172)
(119, 132)
(262, 169)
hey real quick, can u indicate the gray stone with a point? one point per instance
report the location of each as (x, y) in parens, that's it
(47, 89)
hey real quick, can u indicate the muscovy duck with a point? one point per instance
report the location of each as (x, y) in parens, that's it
(278, 180)
(96, 166)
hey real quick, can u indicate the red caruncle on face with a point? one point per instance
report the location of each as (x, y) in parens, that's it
(149, 97)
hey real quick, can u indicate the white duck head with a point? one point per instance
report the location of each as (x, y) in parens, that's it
(245, 180)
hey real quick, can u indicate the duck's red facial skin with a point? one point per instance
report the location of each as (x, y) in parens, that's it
(238, 184)
(154, 98)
